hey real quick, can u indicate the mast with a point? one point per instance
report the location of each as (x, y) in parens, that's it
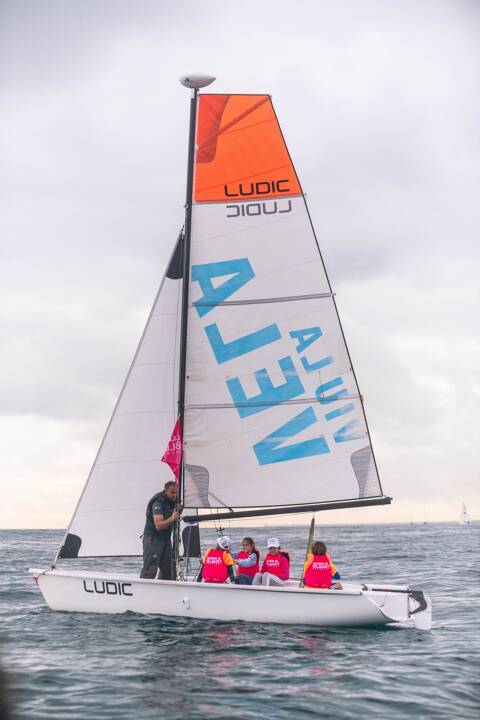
(309, 547)
(194, 82)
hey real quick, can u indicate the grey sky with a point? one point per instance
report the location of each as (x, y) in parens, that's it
(379, 103)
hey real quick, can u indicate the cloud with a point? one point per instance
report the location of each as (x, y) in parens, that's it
(379, 103)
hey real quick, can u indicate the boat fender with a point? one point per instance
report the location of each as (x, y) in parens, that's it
(186, 603)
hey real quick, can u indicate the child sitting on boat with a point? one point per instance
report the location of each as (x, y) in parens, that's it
(218, 563)
(276, 566)
(319, 571)
(247, 561)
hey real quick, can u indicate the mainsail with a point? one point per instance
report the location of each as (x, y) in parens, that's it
(271, 410)
(273, 413)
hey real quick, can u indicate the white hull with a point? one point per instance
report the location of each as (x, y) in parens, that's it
(76, 591)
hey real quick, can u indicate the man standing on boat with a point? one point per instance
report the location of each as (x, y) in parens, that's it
(162, 513)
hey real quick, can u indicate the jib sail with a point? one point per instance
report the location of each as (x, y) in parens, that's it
(127, 471)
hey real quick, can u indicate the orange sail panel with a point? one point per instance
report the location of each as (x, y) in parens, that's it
(241, 153)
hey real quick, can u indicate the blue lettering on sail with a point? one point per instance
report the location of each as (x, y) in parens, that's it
(240, 269)
(305, 337)
(347, 432)
(269, 449)
(340, 411)
(269, 395)
(276, 447)
(235, 348)
(323, 399)
(316, 365)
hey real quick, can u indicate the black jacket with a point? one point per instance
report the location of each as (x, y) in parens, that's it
(159, 504)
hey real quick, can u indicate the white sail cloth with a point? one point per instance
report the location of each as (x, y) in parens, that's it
(127, 471)
(273, 412)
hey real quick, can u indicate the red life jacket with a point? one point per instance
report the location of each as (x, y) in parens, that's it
(277, 565)
(214, 568)
(242, 570)
(319, 573)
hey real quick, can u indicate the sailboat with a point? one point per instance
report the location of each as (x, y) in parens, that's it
(464, 516)
(245, 350)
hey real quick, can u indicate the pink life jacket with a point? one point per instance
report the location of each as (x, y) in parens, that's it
(242, 570)
(276, 565)
(319, 573)
(214, 568)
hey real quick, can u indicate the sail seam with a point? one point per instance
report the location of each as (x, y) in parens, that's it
(234, 200)
(261, 173)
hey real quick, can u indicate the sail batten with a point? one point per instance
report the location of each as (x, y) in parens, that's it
(262, 301)
(302, 401)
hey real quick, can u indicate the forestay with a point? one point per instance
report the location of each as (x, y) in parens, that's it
(273, 411)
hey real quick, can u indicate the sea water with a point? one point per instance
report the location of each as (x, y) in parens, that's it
(74, 665)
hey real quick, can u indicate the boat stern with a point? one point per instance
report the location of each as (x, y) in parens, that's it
(420, 607)
(402, 604)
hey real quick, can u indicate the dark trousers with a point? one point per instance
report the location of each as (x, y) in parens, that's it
(157, 556)
(242, 579)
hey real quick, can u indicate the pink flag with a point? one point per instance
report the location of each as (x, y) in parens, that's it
(173, 453)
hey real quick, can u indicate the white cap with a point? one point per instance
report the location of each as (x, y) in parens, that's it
(224, 542)
(273, 542)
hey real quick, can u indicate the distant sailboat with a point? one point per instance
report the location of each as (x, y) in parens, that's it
(464, 516)
(244, 354)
